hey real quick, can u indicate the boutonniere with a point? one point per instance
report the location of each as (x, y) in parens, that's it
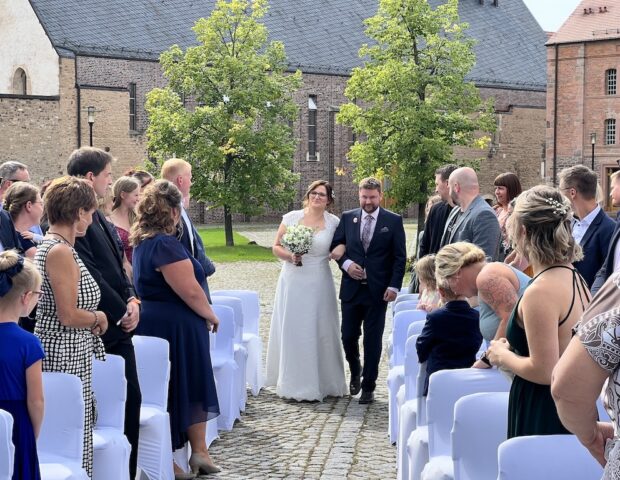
(354, 219)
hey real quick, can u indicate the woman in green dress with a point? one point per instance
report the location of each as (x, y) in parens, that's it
(541, 324)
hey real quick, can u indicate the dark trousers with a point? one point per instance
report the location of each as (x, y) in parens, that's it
(363, 310)
(124, 348)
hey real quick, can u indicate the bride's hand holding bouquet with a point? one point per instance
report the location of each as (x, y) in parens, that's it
(298, 240)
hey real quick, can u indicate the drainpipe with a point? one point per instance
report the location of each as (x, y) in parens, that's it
(78, 105)
(555, 119)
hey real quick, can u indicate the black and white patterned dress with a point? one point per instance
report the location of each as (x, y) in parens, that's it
(70, 350)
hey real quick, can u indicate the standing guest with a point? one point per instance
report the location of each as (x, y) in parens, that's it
(304, 358)
(438, 214)
(21, 383)
(103, 258)
(592, 228)
(429, 295)
(23, 202)
(474, 220)
(68, 322)
(611, 264)
(125, 196)
(373, 266)
(179, 172)
(540, 326)
(144, 177)
(507, 187)
(10, 173)
(591, 361)
(176, 309)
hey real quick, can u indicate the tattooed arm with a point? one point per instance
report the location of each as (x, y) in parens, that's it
(496, 287)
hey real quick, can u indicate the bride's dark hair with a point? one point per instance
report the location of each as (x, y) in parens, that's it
(320, 183)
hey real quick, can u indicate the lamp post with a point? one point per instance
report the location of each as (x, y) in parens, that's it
(593, 142)
(91, 121)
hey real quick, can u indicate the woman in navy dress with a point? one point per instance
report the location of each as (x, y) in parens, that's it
(21, 354)
(175, 308)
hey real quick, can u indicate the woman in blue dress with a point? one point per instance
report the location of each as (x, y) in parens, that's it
(21, 354)
(175, 308)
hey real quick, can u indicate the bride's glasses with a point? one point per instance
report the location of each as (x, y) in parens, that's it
(317, 194)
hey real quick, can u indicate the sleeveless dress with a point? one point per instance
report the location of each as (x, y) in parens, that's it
(531, 409)
(70, 350)
(125, 245)
(192, 397)
(19, 350)
(304, 357)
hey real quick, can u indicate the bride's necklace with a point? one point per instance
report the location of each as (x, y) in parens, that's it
(61, 236)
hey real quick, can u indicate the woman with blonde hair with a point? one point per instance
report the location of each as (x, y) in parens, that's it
(429, 295)
(23, 202)
(540, 327)
(125, 196)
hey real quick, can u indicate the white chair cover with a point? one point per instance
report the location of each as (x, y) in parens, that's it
(61, 440)
(416, 454)
(225, 368)
(402, 320)
(415, 328)
(111, 447)
(479, 428)
(546, 457)
(403, 297)
(7, 449)
(405, 305)
(155, 445)
(444, 389)
(251, 338)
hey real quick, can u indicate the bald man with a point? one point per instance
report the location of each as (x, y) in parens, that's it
(474, 220)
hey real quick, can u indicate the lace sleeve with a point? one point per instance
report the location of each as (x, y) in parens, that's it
(331, 221)
(292, 218)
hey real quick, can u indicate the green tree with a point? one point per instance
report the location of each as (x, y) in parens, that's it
(235, 130)
(410, 103)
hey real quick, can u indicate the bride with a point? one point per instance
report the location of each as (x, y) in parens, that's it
(304, 358)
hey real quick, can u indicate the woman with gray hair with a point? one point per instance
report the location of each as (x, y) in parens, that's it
(541, 324)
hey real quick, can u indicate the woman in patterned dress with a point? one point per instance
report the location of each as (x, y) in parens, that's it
(68, 324)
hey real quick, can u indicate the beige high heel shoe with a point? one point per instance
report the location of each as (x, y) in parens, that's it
(199, 465)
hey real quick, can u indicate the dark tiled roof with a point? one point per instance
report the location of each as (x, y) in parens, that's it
(320, 36)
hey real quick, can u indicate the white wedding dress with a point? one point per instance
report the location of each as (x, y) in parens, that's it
(304, 358)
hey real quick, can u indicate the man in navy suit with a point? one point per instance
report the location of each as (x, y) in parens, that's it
(374, 266)
(592, 227)
(612, 260)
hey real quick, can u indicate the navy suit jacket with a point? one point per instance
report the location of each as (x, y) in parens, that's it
(386, 256)
(607, 267)
(433, 228)
(8, 235)
(595, 244)
(198, 250)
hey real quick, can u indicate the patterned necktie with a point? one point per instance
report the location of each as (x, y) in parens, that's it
(366, 232)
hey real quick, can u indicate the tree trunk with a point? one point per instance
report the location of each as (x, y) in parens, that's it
(228, 227)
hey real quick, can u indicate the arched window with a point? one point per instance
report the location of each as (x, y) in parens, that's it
(610, 82)
(20, 82)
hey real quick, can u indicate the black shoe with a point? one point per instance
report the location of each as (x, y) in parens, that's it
(366, 398)
(355, 386)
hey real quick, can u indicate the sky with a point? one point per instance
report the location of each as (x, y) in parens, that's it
(551, 14)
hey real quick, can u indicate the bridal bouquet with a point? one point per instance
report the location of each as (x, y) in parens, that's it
(297, 239)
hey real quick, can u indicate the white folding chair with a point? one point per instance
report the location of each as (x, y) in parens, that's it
(251, 338)
(479, 428)
(405, 305)
(407, 404)
(241, 352)
(111, 447)
(7, 449)
(445, 388)
(155, 445)
(417, 442)
(546, 457)
(61, 441)
(403, 297)
(225, 367)
(402, 320)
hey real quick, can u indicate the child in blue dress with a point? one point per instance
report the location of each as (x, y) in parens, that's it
(21, 354)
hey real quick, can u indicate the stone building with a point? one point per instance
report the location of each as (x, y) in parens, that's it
(583, 101)
(59, 58)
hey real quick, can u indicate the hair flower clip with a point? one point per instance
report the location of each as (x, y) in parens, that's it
(559, 208)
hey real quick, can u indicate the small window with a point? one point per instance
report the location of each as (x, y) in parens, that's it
(610, 81)
(20, 82)
(312, 111)
(610, 131)
(133, 124)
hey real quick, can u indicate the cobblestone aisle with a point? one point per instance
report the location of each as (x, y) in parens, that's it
(335, 439)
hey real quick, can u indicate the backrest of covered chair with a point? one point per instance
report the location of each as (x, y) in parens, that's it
(7, 449)
(415, 328)
(402, 320)
(405, 305)
(404, 297)
(237, 305)
(411, 368)
(444, 389)
(62, 430)
(223, 340)
(546, 457)
(420, 399)
(251, 307)
(480, 425)
(153, 364)
(110, 387)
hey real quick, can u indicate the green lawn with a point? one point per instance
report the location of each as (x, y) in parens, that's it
(215, 245)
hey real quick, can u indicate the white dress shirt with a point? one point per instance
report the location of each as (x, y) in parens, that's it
(580, 227)
(190, 231)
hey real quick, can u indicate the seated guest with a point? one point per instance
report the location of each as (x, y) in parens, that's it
(612, 258)
(23, 202)
(540, 326)
(451, 335)
(429, 295)
(21, 383)
(592, 228)
(125, 196)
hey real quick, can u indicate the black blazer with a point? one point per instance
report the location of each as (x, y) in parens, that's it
(595, 244)
(433, 228)
(8, 235)
(386, 256)
(607, 267)
(198, 251)
(450, 338)
(103, 257)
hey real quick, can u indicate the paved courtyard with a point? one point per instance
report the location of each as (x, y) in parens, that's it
(335, 439)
